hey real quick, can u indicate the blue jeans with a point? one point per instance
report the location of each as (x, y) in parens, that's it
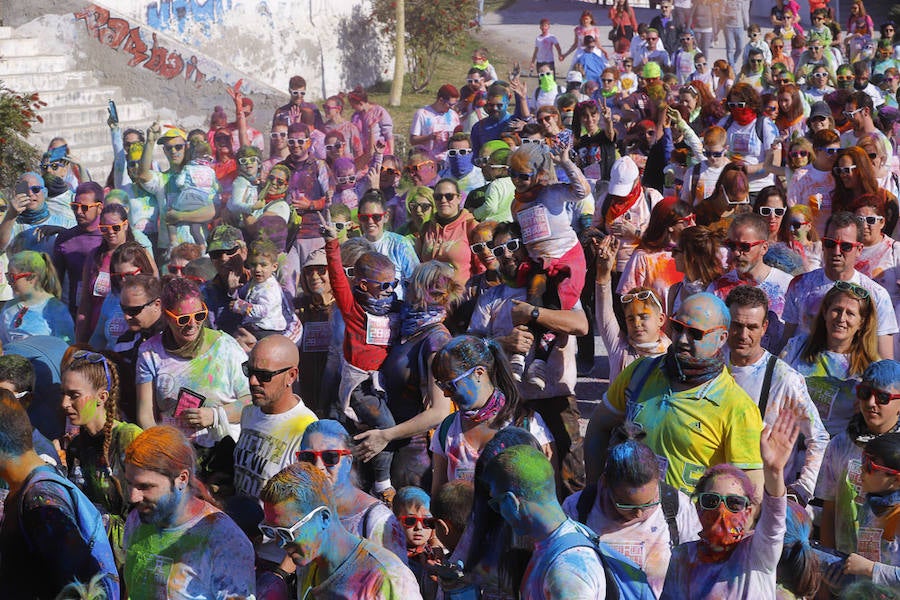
(734, 37)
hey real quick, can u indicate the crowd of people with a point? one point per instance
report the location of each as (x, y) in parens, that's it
(332, 360)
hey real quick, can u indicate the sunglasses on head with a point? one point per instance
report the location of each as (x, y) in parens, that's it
(450, 386)
(695, 333)
(116, 228)
(459, 151)
(374, 217)
(409, 521)
(286, 535)
(869, 465)
(733, 502)
(183, 320)
(742, 247)
(94, 358)
(643, 296)
(83, 208)
(330, 458)
(219, 254)
(262, 375)
(768, 211)
(853, 289)
(511, 246)
(864, 391)
(831, 244)
(382, 285)
(133, 311)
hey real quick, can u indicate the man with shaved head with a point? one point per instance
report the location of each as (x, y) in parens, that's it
(271, 427)
(693, 411)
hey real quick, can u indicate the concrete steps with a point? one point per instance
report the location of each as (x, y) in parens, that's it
(76, 101)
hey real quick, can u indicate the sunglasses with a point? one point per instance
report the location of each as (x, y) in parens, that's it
(700, 64)
(450, 386)
(183, 320)
(409, 521)
(340, 226)
(20, 316)
(382, 285)
(220, 254)
(54, 166)
(459, 151)
(849, 114)
(737, 104)
(629, 507)
(509, 247)
(350, 271)
(297, 141)
(173, 147)
(261, 375)
(768, 211)
(521, 176)
(820, 75)
(711, 154)
(798, 224)
(607, 80)
(743, 247)
(330, 458)
(83, 208)
(390, 171)
(688, 221)
(276, 180)
(531, 141)
(374, 217)
(493, 106)
(122, 275)
(36, 189)
(643, 296)
(851, 288)
(864, 391)
(869, 465)
(423, 207)
(831, 244)
(112, 228)
(799, 153)
(472, 81)
(345, 179)
(733, 502)
(246, 161)
(870, 219)
(278, 134)
(286, 535)
(173, 270)
(14, 277)
(848, 170)
(695, 333)
(331, 107)
(480, 161)
(829, 151)
(418, 166)
(133, 311)
(479, 247)
(447, 197)
(334, 146)
(296, 93)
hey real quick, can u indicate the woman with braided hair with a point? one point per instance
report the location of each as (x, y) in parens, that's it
(95, 457)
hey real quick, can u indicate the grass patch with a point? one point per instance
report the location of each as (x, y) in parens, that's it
(451, 68)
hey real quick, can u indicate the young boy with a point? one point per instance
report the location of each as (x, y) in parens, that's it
(700, 180)
(260, 299)
(450, 508)
(198, 188)
(370, 309)
(480, 61)
(543, 49)
(412, 509)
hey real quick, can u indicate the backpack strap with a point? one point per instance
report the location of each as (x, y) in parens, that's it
(48, 474)
(579, 540)
(695, 179)
(668, 497)
(767, 385)
(585, 502)
(636, 384)
(444, 429)
(364, 527)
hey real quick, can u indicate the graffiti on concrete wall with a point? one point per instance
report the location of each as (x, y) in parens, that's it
(172, 14)
(145, 50)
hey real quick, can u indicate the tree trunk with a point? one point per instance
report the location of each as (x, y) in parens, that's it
(399, 54)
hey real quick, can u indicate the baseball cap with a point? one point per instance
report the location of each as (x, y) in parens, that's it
(171, 132)
(622, 176)
(224, 237)
(651, 70)
(574, 77)
(819, 109)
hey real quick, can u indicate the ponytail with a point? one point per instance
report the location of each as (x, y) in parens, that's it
(798, 568)
(48, 278)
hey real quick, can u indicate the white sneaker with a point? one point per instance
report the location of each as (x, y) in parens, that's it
(517, 364)
(537, 373)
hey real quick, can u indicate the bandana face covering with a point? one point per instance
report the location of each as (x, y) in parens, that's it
(460, 165)
(374, 306)
(883, 502)
(55, 185)
(690, 370)
(722, 530)
(743, 116)
(487, 412)
(547, 83)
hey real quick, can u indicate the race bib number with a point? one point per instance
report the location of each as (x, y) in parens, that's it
(854, 478)
(822, 392)
(116, 327)
(316, 336)
(535, 224)
(869, 543)
(378, 330)
(102, 284)
(741, 143)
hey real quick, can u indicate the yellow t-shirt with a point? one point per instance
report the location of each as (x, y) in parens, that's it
(694, 429)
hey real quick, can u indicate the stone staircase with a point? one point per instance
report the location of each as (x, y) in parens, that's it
(76, 102)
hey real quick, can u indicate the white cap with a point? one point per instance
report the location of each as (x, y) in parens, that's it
(622, 176)
(574, 77)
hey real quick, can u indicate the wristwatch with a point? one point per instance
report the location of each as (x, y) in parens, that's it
(535, 313)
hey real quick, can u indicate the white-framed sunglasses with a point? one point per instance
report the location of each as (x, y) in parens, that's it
(286, 535)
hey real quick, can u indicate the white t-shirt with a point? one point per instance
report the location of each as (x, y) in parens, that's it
(380, 527)
(266, 298)
(742, 140)
(461, 456)
(216, 374)
(806, 292)
(809, 181)
(426, 121)
(575, 574)
(706, 183)
(840, 481)
(646, 542)
(545, 45)
(788, 384)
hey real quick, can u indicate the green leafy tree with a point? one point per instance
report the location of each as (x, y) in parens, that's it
(18, 115)
(432, 27)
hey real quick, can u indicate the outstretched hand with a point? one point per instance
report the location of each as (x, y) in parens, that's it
(606, 250)
(326, 227)
(777, 441)
(236, 95)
